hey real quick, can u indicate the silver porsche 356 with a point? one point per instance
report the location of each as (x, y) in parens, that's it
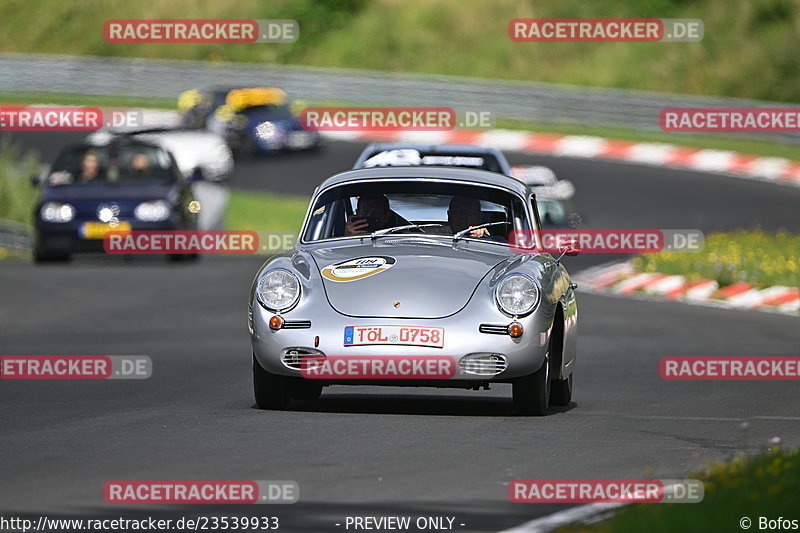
(416, 277)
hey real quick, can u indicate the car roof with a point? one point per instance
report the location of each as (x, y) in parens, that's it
(434, 148)
(456, 174)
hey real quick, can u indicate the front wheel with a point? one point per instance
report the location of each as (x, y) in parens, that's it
(561, 391)
(271, 391)
(41, 255)
(532, 393)
(306, 390)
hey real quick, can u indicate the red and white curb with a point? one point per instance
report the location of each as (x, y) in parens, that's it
(621, 278)
(771, 169)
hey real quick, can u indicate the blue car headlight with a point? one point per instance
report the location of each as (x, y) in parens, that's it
(57, 212)
(278, 290)
(517, 295)
(266, 131)
(154, 211)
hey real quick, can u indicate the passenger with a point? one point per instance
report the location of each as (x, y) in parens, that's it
(140, 164)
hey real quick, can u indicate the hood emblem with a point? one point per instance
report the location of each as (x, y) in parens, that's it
(359, 268)
(397, 304)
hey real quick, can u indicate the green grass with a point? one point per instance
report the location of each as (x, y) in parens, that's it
(17, 194)
(85, 100)
(763, 259)
(749, 47)
(765, 485)
(708, 141)
(260, 211)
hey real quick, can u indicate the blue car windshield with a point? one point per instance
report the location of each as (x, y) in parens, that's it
(260, 110)
(127, 163)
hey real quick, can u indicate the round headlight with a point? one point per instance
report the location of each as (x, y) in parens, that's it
(266, 131)
(57, 212)
(154, 211)
(517, 295)
(278, 290)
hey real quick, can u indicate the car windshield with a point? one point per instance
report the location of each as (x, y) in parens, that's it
(404, 157)
(110, 164)
(442, 209)
(258, 110)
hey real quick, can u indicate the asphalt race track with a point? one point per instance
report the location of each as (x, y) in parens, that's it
(370, 451)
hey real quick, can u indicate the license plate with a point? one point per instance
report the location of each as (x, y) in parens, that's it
(397, 335)
(98, 230)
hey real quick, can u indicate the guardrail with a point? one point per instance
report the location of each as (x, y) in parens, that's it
(507, 99)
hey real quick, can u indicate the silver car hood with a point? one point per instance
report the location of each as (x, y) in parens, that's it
(403, 281)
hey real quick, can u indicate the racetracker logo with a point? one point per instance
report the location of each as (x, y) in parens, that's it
(44, 118)
(378, 367)
(605, 490)
(378, 118)
(181, 242)
(730, 368)
(75, 367)
(201, 31)
(730, 120)
(606, 241)
(606, 30)
(200, 492)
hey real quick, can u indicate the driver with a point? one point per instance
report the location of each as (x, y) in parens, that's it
(466, 213)
(90, 167)
(376, 207)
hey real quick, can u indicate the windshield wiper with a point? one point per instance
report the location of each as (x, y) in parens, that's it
(463, 232)
(386, 231)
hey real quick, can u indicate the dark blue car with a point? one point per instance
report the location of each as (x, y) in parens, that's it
(91, 190)
(264, 129)
(251, 120)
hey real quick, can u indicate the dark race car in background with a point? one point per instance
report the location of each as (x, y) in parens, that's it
(127, 185)
(202, 157)
(251, 120)
(553, 196)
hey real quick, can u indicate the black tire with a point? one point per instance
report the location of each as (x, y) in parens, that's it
(271, 391)
(306, 390)
(183, 258)
(532, 393)
(561, 391)
(41, 255)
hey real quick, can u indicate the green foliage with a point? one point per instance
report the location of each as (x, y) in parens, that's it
(763, 259)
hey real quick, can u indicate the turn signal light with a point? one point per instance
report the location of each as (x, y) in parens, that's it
(276, 322)
(515, 330)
